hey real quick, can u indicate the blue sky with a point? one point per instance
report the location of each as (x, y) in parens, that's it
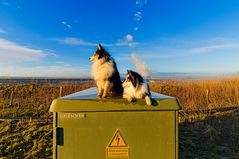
(56, 38)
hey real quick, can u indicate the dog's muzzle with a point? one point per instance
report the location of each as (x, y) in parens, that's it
(91, 58)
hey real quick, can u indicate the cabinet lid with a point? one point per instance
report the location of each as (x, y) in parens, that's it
(86, 100)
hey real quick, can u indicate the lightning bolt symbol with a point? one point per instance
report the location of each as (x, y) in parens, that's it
(117, 139)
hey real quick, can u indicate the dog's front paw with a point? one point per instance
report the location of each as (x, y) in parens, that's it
(104, 96)
(148, 100)
(99, 96)
(130, 99)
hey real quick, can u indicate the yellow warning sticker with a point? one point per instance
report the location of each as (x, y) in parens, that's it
(117, 147)
(117, 152)
(118, 140)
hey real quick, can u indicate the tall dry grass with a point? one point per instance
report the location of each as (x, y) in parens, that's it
(192, 93)
(34, 100)
(200, 93)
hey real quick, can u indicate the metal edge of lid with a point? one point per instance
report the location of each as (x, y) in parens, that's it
(113, 105)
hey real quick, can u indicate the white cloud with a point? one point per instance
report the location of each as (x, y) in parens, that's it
(141, 3)
(77, 41)
(138, 16)
(45, 71)
(68, 26)
(129, 37)
(156, 51)
(11, 52)
(49, 52)
(2, 31)
(60, 62)
(127, 41)
(74, 41)
(214, 47)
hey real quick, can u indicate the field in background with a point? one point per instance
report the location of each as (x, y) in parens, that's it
(206, 136)
(200, 93)
(33, 100)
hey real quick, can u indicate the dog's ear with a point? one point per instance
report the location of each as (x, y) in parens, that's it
(99, 47)
(128, 71)
(133, 80)
(106, 54)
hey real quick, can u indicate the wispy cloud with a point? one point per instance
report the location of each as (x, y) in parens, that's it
(150, 55)
(166, 50)
(11, 52)
(62, 63)
(136, 28)
(2, 31)
(209, 48)
(74, 41)
(138, 20)
(141, 3)
(127, 41)
(5, 3)
(138, 16)
(45, 71)
(66, 25)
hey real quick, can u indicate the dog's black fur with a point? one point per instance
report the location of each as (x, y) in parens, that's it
(137, 80)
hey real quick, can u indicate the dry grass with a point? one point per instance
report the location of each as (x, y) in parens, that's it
(31, 100)
(201, 94)
(210, 136)
(34, 100)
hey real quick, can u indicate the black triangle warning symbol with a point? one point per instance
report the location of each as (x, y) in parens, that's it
(118, 140)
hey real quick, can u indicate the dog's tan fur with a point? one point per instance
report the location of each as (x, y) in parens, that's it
(103, 69)
(101, 72)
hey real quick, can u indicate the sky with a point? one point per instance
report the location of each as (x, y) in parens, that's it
(56, 38)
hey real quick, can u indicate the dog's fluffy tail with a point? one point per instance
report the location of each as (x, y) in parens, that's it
(140, 66)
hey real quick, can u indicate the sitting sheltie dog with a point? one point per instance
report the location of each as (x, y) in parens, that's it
(135, 87)
(105, 74)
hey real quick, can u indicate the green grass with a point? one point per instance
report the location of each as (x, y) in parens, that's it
(215, 136)
(26, 139)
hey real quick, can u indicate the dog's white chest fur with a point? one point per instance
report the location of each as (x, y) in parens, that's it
(102, 70)
(134, 92)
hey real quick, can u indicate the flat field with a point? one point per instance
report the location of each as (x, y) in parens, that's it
(26, 124)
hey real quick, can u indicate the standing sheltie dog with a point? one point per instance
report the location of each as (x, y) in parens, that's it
(105, 74)
(135, 87)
